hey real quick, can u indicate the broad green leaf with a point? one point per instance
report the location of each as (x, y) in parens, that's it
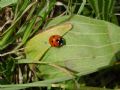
(90, 46)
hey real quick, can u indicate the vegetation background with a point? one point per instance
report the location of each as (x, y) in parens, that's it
(21, 20)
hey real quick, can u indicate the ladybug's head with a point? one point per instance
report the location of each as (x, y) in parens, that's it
(61, 41)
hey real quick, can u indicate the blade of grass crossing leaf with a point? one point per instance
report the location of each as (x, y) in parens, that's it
(69, 73)
(64, 70)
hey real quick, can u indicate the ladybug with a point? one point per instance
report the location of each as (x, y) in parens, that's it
(56, 41)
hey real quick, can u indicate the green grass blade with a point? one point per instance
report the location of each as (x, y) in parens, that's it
(44, 12)
(87, 35)
(81, 7)
(28, 30)
(6, 39)
(103, 8)
(23, 5)
(94, 5)
(6, 36)
(28, 7)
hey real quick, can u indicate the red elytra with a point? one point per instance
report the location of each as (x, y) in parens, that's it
(56, 41)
